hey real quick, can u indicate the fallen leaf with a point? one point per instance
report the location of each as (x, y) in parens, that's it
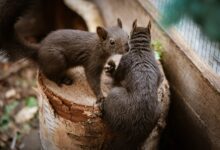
(10, 93)
(25, 114)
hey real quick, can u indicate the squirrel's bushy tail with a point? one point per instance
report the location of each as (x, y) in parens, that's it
(11, 46)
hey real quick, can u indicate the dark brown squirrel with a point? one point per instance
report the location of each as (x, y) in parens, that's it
(131, 109)
(61, 49)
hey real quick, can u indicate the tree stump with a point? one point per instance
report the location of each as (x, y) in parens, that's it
(68, 117)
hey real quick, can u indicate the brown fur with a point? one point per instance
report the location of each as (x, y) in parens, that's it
(62, 49)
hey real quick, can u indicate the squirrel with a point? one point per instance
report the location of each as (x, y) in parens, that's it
(61, 49)
(131, 109)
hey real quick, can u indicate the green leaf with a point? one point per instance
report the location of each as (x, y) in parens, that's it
(4, 122)
(157, 55)
(158, 48)
(5, 119)
(31, 102)
(10, 107)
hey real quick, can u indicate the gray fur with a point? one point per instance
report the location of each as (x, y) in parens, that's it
(131, 109)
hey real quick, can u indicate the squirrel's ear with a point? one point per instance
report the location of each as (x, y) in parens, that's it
(134, 25)
(119, 23)
(102, 33)
(149, 27)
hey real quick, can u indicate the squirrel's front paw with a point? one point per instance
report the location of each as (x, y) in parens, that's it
(99, 105)
(67, 81)
(110, 67)
(100, 99)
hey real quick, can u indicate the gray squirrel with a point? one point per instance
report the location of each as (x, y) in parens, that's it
(131, 109)
(61, 49)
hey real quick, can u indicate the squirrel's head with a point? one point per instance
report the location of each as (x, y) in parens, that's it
(114, 40)
(141, 30)
(140, 36)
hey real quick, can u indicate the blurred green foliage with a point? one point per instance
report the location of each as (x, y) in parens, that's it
(205, 13)
(9, 109)
(6, 117)
(31, 102)
(158, 49)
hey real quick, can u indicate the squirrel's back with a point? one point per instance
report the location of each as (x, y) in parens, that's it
(70, 37)
(131, 108)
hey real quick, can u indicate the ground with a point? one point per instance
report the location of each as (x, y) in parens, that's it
(18, 106)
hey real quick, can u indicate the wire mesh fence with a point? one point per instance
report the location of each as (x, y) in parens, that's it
(208, 51)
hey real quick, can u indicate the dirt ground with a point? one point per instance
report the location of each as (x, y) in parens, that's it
(18, 107)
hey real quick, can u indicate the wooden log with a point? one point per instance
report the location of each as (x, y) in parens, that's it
(68, 117)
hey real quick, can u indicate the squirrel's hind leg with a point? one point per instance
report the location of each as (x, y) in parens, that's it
(54, 66)
(60, 78)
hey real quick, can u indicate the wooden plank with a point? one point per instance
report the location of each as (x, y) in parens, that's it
(196, 86)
